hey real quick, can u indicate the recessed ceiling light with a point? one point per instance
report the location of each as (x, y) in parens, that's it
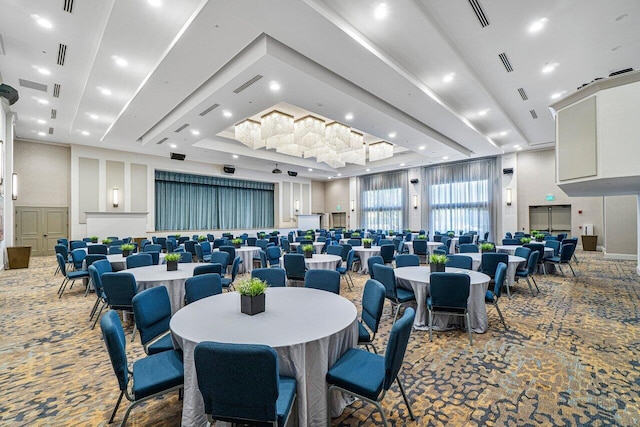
(195, 132)
(445, 158)
(329, 177)
(483, 112)
(43, 71)
(227, 113)
(368, 170)
(173, 146)
(43, 101)
(381, 11)
(310, 169)
(339, 174)
(519, 148)
(557, 95)
(42, 122)
(349, 116)
(503, 133)
(516, 146)
(119, 60)
(155, 3)
(422, 147)
(235, 156)
(104, 91)
(42, 133)
(401, 164)
(448, 77)
(538, 25)
(274, 86)
(93, 116)
(43, 22)
(549, 67)
(392, 135)
(85, 133)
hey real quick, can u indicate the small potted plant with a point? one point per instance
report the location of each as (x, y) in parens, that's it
(451, 234)
(94, 239)
(367, 243)
(539, 237)
(261, 235)
(202, 238)
(422, 237)
(106, 241)
(275, 232)
(307, 250)
(236, 243)
(252, 295)
(391, 233)
(437, 263)
(487, 247)
(525, 240)
(127, 249)
(172, 261)
(177, 236)
(355, 235)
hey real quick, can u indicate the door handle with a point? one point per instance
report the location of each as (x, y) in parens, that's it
(44, 235)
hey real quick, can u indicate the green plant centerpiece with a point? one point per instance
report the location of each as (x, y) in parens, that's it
(172, 261)
(107, 241)
(252, 295)
(177, 236)
(307, 250)
(202, 238)
(487, 247)
(391, 232)
(367, 242)
(451, 234)
(355, 235)
(422, 237)
(437, 263)
(94, 239)
(261, 235)
(275, 232)
(236, 243)
(539, 237)
(127, 249)
(525, 240)
(308, 237)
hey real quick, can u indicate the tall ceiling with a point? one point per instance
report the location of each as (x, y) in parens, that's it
(425, 75)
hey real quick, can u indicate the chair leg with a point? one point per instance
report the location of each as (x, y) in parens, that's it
(395, 317)
(62, 287)
(576, 259)
(574, 273)
(381, 409)
(560, 268)
(404, 395)
(469, 328)
(530, 287)
(98, 315)
(506, 285)
(535, 283)
(113, 414)
(430, 325)
(495, 304)
(95, 307)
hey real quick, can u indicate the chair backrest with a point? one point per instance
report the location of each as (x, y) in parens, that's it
(152, 248)
(294, 266)
(566, 252)
(326, 280)
(62, 250)
(95, 273)
(376, 259)
(219, 242)
(206, 247)
(408, 237)
(407, 260)
(76, 244)
(449, 290)
(91, 258)
(170, 245)
(354, 242)
(190, 246)
(561, 236)
(230, 249)
(251, 241)
(444, 248)
(207, 268)
(220, 257)
(397, 346)
(286, 246)
(549, 237)
(202, 286)
(372, 304)
(439, 251)
(199, 253)
(459, 261)
(275, 277)
(273, 255)
(334, 250)
(116, 242)
(385, 275)
(262, 244)
(115, 249)
(63, 241)
(97, 249)
(144, 242)
(62, 264)
(465, 239)
(235, 267)
(466, 248)
(78, 256)
(490, 261)
(437, 237)
(420, 246)
(508, 235)
(511, 241)
(155, 257)
(539, 247)
(345, 250)
(385, 242)
(445, 241)
(139, 260)
(501, 272)
(114, 340)
(396, 243)
(185, 258)
(119, 289)
(522, 252)
(386, 252)
(238, 381)
(152, 311)
(532, 262)
(555, 244)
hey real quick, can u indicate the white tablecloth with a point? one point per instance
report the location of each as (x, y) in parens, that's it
(430, 246)
(157, 275)
(417, 279)
(309, 329)
(365, 254)
(317, 246)
(514, 262)
(511, 249)
(320, 262)
(246, 253)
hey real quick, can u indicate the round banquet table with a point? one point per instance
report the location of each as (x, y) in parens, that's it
(365, 254)
(308, 328)
(316, 245)
(511, 249)
(246, 254)
(417, 279)
(512, 266)
(118, 262)
(430, 246)
(320, 262)
(157, 275)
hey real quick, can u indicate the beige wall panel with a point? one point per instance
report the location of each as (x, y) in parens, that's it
(88, 199)
(138, 188)
(621, 227)
(317, 196)
(115, 179)
(337, 196)
(43, 171)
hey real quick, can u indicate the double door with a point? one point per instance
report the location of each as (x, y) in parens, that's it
(552, 218)
(40, 228)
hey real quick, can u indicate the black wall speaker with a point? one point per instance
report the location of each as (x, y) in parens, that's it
(229, 168)
(507, 171)
(177, 156)
(414, 181)
(8, 92)
(292, 173)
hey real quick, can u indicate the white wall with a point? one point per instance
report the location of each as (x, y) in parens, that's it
(43, 170)
(6, 211)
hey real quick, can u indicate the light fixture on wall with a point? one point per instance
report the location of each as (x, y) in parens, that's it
(509, 199)
(115, 197)
(353, 205)
(415, 201)
(14, 186)
(297, 205)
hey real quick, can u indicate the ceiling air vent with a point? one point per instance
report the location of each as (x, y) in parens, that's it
(161, 141)
(181, 128)
(247, 83)
(523, 94)
(56, 90)
(477, 9)
(50, 131)
(62, 53)
(54, 113)
(533, 114)
(68, 6)
(505, 62)
(32, 85)
(613, 73)
(210, 109)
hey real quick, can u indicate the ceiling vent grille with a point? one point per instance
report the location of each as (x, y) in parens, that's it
(477, 9)
(54, 113)
(505, 62)
(210, 109)
(68, 6)
(247, 83)
(2, 50)
(56, 90)
(33, 85)
(62, 53)
(181, 128)
(161, 141)
(523, 94)
(533, 114)
(50, 131)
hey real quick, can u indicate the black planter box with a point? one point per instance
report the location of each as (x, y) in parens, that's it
(125, 253)
(172, 265)
(437, 268)
(308, 254)
(252, 305)
(367, 245)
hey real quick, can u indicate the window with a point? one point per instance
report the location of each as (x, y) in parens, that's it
(383, 201)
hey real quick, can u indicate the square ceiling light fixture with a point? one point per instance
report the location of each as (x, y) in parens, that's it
(380, 151)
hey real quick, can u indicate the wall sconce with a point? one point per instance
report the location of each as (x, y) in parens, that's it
(14, 186)
(115, 197)
(509, 200)
(297, 205)
(415, 201)
(353, 205)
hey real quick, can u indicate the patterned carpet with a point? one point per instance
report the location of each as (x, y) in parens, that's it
(570, 357)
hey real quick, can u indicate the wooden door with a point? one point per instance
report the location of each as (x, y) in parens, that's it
(40, 228)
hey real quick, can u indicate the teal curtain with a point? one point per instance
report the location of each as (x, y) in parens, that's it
(197, 202)
(383, 201)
